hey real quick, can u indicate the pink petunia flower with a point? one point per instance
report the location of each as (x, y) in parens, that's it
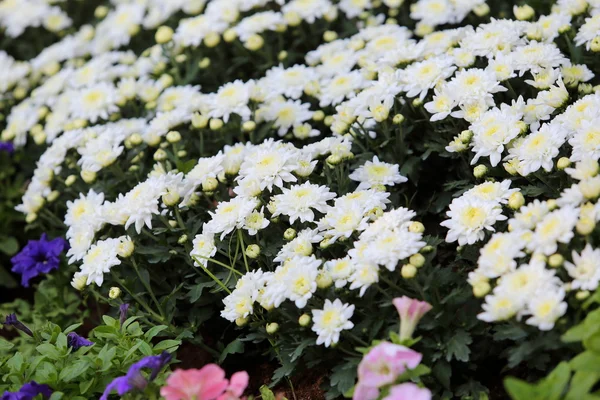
(382, 365)
(411, 311)
(207, 383)
(237, 385)
(408, 391)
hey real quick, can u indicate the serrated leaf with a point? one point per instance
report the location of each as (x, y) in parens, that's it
(232, 348)
(458, 346)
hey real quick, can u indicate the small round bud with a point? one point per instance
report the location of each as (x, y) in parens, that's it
(585, 226)
(304, 320)
(160, 155)
(70, 180)
(216, 124)
(254, 42)
(481, 289)
(199, 121)
(465, 136)
(324, 279)
(556, 260)
(170, 198)
(325, 243)
(417, 102)
(173, 224)
(272, 328)
(79, 281)
(289, 234)
(88, 176)
(481, 10)
(582, 294)
(334, 159)
(249, 126)
(523, 13)
(330, 36)
(29, 218)
(585, 88)
(516, 200)
(282, 55)
(408, 271)
(182, 239)
(204, 63)
(328, 120)
(318, 115)
(229, 35)
(163, 34)
(563, 163)
(125, 248)
(416, 227)
(417, 260)
(53, 196)
(114, 293)
(595, 44)
(180, 58)
(241, 321)
(210, 185)
(480, 171)
(427, 249)
(100, 12)
(212, 39)
(173, 137)
(398, 119)
(253, 251)
(20, 93)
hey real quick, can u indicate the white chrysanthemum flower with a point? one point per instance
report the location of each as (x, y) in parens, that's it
(586, 141)
(470, 217)
(492, 191)
(556, 227)
(230, 215)
(545, 308)
(418, 78)
(299, 201)
(95, 102)
(289, 82)
(301, 279)
(286, 114)
(203, 248)
(364, 275)
(231, 98)
(301, 245)
(340, 87)
(391, 246)
(587, 167)
(270, 164)
(100, 258)
(239, 304)
(498, 256)
(527, 280)
(255, 222)
(331, 320)
(474, 85)
(85, 210)
(377, 172)
(529, 215)
(340, 270)
(500, 306)
(343, 221)
(585, 268)
(492, 132)
(538, 149)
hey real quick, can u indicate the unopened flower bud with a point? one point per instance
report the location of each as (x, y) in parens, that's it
(595, 44)
(241, 321)
(253, 251)
(481, 289)
(427, 249)
(324, 279)
(408, 271)
(330, 36)
(416, 227)
(164, 34)
(325, 243)
(333, 159)
(417, 102)
(199, 121)
(204, 63)
(114, 293)
(210, 185)
(212, 39)
(304, 320)
(318, 115)
(289, 234)
(254, 42)
(563, 163)
(53, 196)
(173, 137)
(398, 119)
(88, 176)
(229, 35)
(70, 180)
(215, 124)
(480, 171)
(272, 328)
(160, 155)
(582, 294)
(282, 55)
(417, 260)
(29, 218)
(100, 12)
(590, 188)
(79, 281)
(125, 248)
(585, 226)
(249, 126)
(523, 13)
(585, 88)
(170, 198)
(328, 120)
(516, 200)
(556, 260)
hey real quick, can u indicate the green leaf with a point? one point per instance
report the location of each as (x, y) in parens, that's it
(301, 346)
(5, 345)
(48, 350)
(168, 345)
(458, 346)
(344, 377)
(554, 384)
(71, 328)
(155, 330)
(61, 341)
(520, 390)
(72, 371)
(586, 361)
(266, 393)
(232, 348)
(9, 246)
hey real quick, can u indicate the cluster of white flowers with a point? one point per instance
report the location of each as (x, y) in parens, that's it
(18, 15)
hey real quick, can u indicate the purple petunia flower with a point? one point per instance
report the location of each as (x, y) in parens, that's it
(134, 378)
(11, 319)
(28, 391)
(123, 308)
(7, 147)
(75, 341)
(37, 257)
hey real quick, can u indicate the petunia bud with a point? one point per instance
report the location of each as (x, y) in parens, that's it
(410, 312)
